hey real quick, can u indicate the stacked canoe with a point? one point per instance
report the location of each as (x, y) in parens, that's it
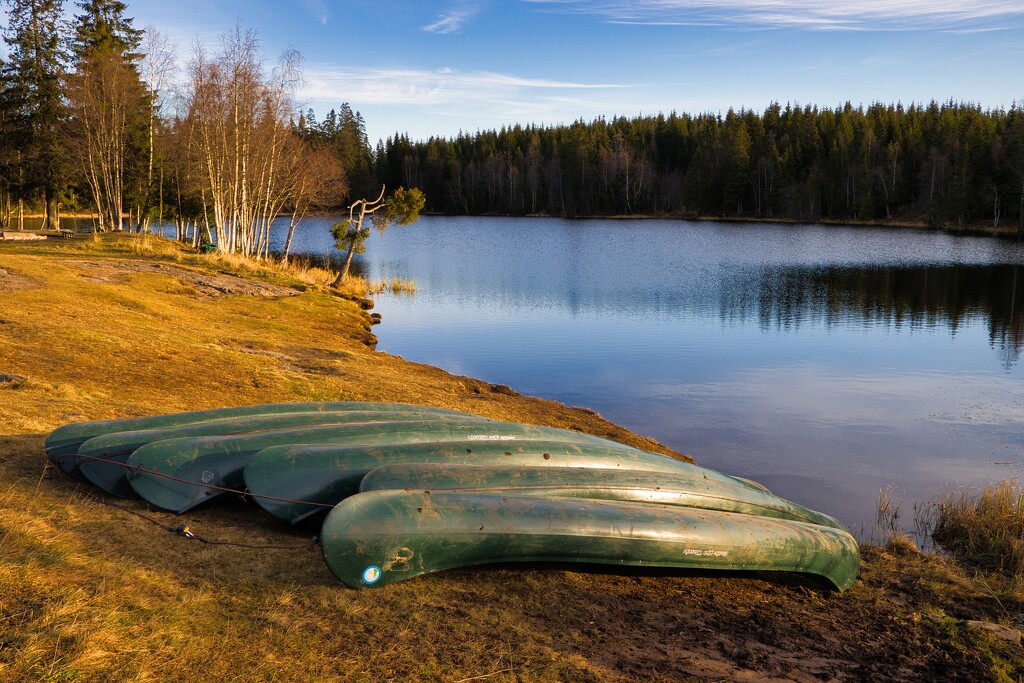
(409, 490)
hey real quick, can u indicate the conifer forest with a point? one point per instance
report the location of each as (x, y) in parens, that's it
(97, 118)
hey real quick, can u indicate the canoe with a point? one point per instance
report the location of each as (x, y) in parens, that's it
(205, 462)
(379, 537)
(688, 486)
(322, 475)
(111, 475)
(67, 438)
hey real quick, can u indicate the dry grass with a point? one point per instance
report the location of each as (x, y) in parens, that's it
(296, 269)
(985, 529)
(92, 592)
(360, 286)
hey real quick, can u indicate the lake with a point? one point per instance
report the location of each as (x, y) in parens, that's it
(828, 363)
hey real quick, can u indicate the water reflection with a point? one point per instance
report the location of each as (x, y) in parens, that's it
(925, 296)
(825, 362)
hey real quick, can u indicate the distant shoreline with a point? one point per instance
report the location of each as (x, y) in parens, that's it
(979, 229)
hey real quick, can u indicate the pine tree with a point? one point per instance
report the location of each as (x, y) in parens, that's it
(348, 133)
(33, 100)
(8, 168)
(103, 28)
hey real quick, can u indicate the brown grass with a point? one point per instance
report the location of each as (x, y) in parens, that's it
(985, 529)
(93, 592)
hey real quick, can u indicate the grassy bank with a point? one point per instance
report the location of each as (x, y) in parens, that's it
(95, 589)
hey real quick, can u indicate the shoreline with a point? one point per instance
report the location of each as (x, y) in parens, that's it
(979, 229)
(128, 324)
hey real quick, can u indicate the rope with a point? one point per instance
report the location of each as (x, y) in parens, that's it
(183, 529)
(240, 492)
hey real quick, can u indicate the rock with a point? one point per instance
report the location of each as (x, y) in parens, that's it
(1007, 633)
(10, 236)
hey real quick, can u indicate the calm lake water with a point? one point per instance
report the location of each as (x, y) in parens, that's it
(827, 363)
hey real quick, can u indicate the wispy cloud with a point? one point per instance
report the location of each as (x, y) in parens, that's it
(454, 19)
(813, 14)
(478, 98)
(318, 8)
(421, 87)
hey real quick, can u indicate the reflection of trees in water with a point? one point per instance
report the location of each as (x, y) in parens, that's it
(892, 296)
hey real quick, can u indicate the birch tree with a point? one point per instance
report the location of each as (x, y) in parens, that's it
(238, 119)
(107, 103)
(317, 181)
(158, 67)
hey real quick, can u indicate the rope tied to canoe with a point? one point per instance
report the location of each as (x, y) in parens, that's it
(184, 530)
(244, 494)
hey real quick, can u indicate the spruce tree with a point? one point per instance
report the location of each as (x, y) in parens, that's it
(8, 168)
(34, 109)
(103, 28)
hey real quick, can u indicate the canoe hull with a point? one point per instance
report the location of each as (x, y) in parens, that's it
(324, 475)
(206, 464)
(380, 537)
(103, 457)
(66, 439)
(687, 485)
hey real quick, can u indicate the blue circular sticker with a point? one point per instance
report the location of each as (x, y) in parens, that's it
(371, 574)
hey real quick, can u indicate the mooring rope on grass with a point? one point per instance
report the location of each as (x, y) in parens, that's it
(183, 529)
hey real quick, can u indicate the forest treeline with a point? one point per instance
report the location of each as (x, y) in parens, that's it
(96, 117)
(944, 164)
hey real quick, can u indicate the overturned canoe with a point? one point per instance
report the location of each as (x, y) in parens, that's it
(103, 458)
(178, 474)
(687, 485)
(379, 537)
(321, 475)
(67, 438)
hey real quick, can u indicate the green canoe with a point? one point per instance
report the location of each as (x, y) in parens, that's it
(323, 475)
(205, 462)
(67, 438)
(379, 537)
(111, 475)
(688, 485)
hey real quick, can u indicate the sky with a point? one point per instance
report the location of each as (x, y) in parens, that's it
(440, 68)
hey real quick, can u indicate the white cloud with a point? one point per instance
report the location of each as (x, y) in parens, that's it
(420, 102)
(428, 88)
(448, 23)
(453, 20)
(816, 14)
(318, 8)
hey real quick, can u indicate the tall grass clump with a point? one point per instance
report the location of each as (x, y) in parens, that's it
(985, 529)
(362, 287)
(887, 524)
(402, 286)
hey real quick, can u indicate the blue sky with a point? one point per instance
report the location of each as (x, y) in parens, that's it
(435, 68)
